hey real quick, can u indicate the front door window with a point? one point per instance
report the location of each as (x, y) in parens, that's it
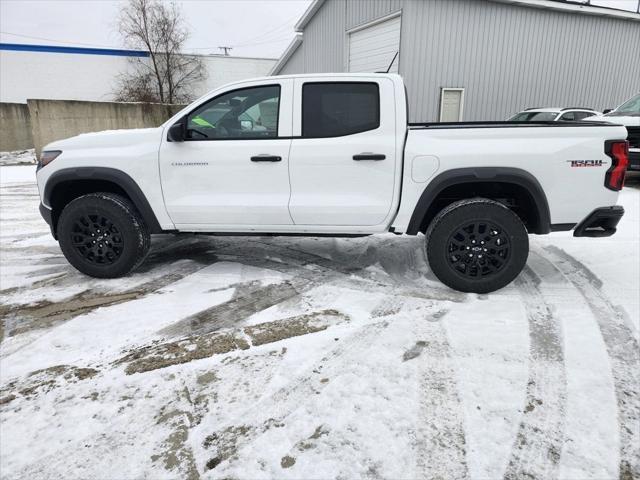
(249, 113)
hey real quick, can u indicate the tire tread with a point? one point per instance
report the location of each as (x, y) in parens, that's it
(490, 284)
(131, 214)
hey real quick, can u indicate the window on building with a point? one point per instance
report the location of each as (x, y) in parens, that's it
(451, 103)
(337, 109)
(250, 113)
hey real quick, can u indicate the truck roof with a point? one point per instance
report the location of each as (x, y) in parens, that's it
(393, 76)
(557, 109)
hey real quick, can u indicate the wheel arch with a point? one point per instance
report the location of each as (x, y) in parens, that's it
(67, 184)
(491, 182)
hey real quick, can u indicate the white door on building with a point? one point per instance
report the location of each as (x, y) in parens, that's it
(373, 47)
(451, 104)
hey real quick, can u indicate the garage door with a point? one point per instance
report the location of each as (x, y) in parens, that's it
(371, 49)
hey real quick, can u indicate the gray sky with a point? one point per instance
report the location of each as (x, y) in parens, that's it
(253, 27)
(260, 28)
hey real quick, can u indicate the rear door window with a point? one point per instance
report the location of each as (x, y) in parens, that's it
(338, 109)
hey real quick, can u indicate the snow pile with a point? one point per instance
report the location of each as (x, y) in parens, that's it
(19, 157)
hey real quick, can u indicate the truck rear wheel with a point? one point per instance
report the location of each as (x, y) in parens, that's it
(477, 245)
(103, 235)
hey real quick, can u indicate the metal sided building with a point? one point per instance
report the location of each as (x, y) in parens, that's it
(476, 59)
(91, 74)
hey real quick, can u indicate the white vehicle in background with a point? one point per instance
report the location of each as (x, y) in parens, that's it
(552, 114)
(627, 114)
(333, 155)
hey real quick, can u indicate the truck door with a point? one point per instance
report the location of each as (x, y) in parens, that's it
(343, 154)
(233, 167)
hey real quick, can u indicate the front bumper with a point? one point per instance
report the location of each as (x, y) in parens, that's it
(634, 159)
(602, 222)
(48, 217)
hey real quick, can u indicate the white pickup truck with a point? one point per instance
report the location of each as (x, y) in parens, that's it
(332, 155)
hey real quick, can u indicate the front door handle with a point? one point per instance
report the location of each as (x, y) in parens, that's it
(266, 158)
(369, 156)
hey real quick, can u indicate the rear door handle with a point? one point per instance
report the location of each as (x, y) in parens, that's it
(266, 158)
(369, 156)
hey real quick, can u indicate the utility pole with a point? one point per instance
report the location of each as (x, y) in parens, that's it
(226, 50)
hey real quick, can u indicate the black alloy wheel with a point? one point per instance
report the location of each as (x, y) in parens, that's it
(478, 249)
(97, 239)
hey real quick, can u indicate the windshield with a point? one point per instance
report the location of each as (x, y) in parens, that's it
(534, 117)
(629, 108)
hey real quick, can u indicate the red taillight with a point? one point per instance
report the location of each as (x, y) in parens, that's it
(618, 151)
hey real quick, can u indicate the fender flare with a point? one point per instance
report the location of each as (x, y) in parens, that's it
(112, 175)
(458, 176)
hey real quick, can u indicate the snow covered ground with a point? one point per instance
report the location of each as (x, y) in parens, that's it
(315, 358)
(19, 157)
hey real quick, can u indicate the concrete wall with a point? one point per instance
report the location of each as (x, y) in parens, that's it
(58, 119)
(15, 127)
(84, 76)
(58, 76)
(507, 57)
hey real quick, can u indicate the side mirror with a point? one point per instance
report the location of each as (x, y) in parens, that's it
(246, 125)
(607, 110)
(176, 132)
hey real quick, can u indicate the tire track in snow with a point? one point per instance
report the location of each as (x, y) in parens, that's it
(441, 442)
(623, 351)
(284, 405)
(281, 405)
(18, 319)
(441, 432)
(536, 452)
(247, 300)
(351, 270)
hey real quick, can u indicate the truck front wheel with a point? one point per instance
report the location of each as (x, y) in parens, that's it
(477, 245)
(103, 235)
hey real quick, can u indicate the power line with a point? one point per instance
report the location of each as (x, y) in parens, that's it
(281, 37)
(59, 41)
(286, 23)
(262, 36)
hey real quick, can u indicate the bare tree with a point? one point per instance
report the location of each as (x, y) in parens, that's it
(167, 75)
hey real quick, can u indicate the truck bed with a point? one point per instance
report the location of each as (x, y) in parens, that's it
(505, 124)
(547, 152)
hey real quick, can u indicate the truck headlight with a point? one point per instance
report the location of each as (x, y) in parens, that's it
(47, 157)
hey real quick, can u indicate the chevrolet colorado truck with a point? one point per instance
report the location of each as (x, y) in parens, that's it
(332, 155)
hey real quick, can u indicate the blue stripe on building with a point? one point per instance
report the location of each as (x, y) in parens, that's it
(20, 47)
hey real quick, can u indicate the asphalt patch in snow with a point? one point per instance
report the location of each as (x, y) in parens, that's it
(198, 347)
(43, 381)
